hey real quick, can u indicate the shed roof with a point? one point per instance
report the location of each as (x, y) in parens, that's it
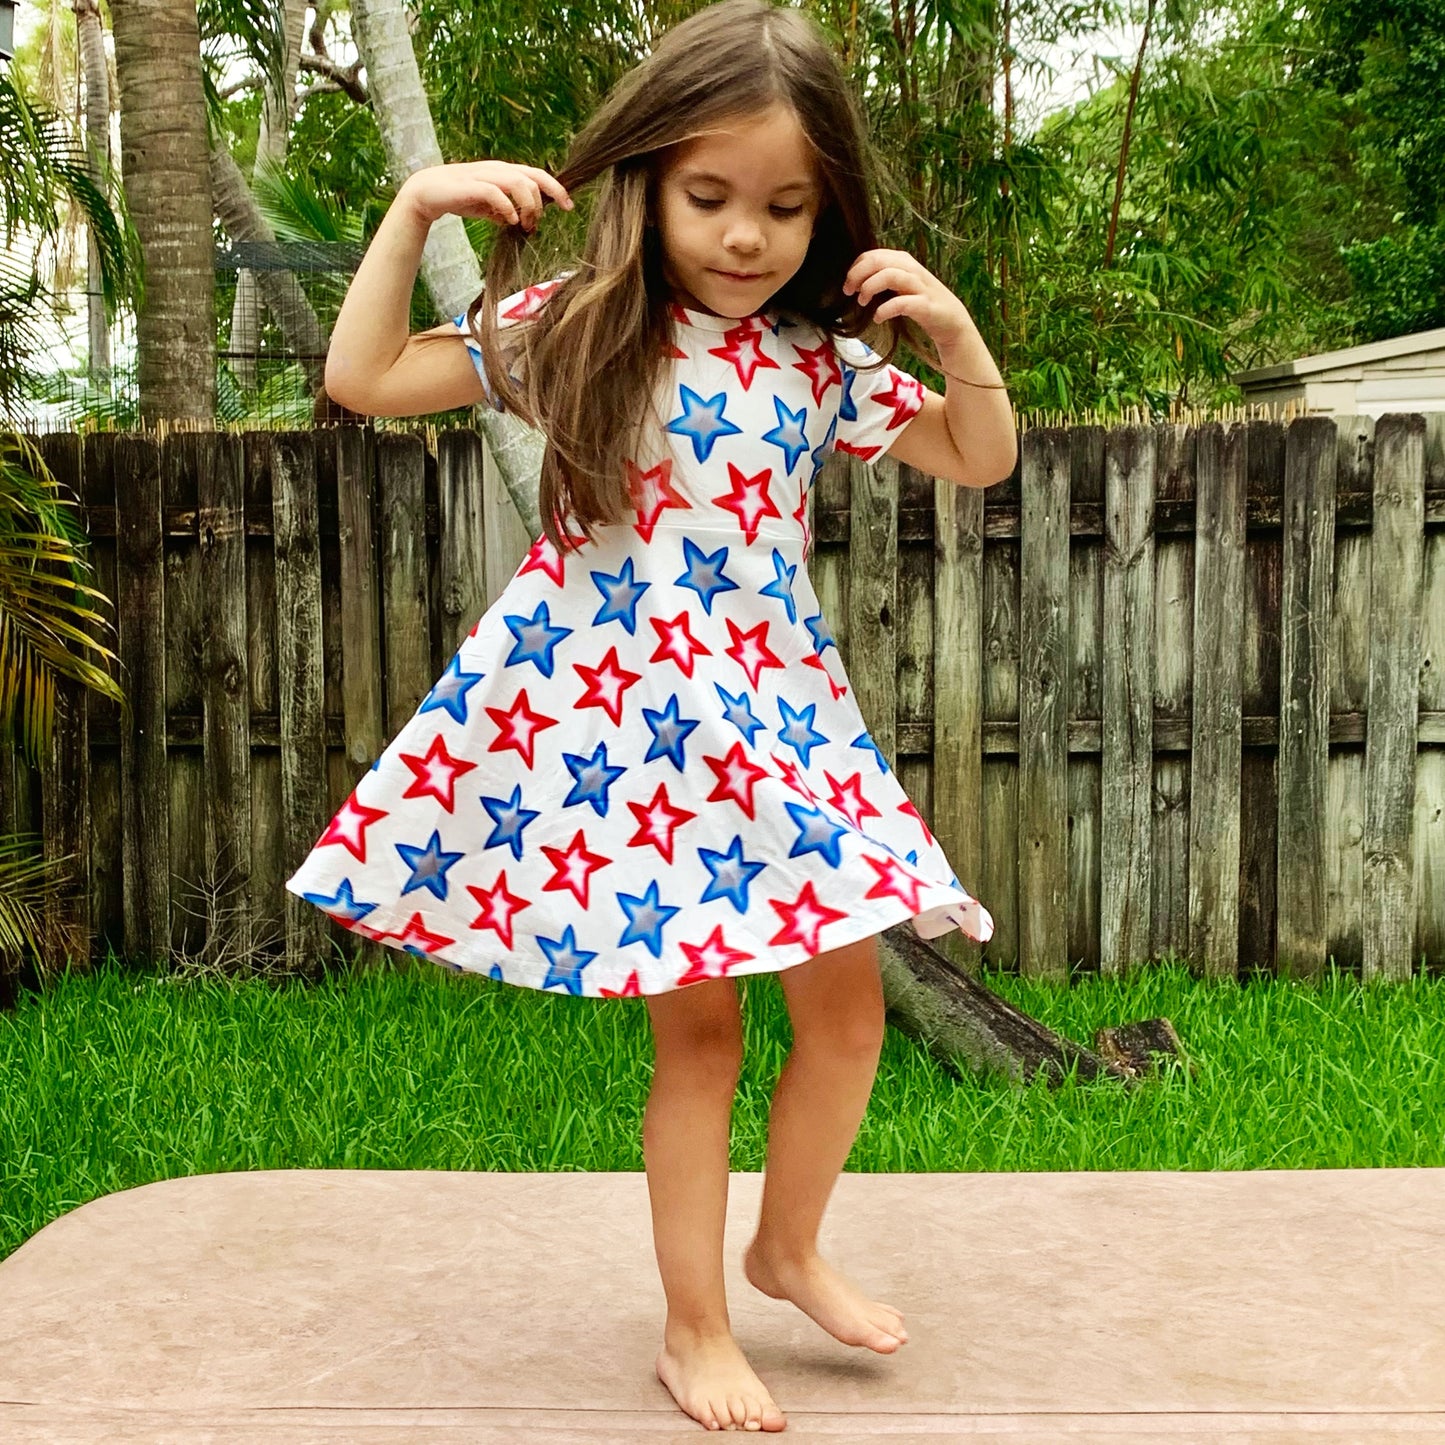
(1392, 346)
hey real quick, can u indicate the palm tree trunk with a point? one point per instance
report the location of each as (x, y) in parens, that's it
(448, 265)
(91, 48)
(168, 187)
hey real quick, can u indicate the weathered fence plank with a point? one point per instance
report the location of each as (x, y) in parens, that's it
(360, 606)
(65, 764)
(299, 666)
(829, 570)
(363, 734)
(270, 845)
(401, 481)
(505, 538)
(1349, 690)
(1429, 825)
(461, 551)
(1043, 703)
(957, 752)
(102, 714)
(1128, 712)
(915, 642)
(1259, 697)
(1172, 647)
(872, 664)
(225, 688)
(1304, 717)
(1394, 696)
(186, 624)
(141, 641)
(1086, 667)
(1214, 742)
(998, 879)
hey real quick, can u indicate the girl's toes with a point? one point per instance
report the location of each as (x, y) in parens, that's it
(738, 1409)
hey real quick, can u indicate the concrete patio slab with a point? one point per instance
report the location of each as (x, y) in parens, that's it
(374, 1305)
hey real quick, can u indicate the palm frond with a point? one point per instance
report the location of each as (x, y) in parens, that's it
(45, 581)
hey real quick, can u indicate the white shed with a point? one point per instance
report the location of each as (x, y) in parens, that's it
(1403, 373)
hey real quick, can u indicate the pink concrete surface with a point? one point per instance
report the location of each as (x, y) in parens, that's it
(373, 1305)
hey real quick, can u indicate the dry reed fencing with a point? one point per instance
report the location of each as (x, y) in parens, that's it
(1168, 690)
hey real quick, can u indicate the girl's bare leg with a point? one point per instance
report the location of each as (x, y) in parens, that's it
(835, 1002)
(697, 1033)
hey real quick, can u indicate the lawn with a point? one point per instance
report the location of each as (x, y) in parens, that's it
(118, 1078)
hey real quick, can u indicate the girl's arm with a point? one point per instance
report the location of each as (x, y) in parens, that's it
(372, 365)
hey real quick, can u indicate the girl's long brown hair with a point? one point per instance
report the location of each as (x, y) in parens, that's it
(594, 348)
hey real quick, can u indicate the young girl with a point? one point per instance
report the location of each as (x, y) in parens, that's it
(644, 772)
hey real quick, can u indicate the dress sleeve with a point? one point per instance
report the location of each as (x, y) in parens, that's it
(514, 308)
(874, 406)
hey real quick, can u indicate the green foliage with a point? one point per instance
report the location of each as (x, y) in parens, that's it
(1385, 59)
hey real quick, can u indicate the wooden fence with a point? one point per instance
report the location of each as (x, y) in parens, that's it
(1168, 690)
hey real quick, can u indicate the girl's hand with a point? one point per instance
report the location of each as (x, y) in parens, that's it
(497, 191)
(917, 293)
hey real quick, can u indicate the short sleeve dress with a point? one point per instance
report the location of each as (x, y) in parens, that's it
(644, 767)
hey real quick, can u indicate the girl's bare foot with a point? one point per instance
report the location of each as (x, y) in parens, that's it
(827, 1297)
(710, 1378)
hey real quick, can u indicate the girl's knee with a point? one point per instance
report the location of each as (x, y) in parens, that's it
(699, 1023)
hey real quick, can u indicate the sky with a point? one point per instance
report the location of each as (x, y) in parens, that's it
(1077, 62)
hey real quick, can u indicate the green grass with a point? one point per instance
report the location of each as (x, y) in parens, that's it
(119, 1078)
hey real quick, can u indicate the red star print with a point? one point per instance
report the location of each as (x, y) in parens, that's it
(737, 777)
(905, 396)
(744, 351)
(893, 881)
(414, 932)
(499, 904)
(657, 821)
(750, 649)
(605, 684)
(519, 726)
(803, 918)
(710, 959)
(529, 300)
(800, 516)
(821, 366)
(813, 660)
(672, 648)
(349, 827)
(749, 500)
(794, 778)
(913, 812)
(436, 773)
(541, 556)
(848, 798)
(652, 493)
(630, 989)
(574, 868)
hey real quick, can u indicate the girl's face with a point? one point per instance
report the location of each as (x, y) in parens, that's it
(743, 199)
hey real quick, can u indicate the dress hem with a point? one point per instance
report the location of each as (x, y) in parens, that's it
(872, 922)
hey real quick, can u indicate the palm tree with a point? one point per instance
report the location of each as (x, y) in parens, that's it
(44, 170)
(44, 581)
(44, 594)
(168, 188)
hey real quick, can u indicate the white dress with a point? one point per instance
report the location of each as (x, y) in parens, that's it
(644, 766)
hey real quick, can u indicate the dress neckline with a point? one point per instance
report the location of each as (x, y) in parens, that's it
(705, 321)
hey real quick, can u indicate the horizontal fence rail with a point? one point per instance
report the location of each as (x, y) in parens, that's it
(1169, 690)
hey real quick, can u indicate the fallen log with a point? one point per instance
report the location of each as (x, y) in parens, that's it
(956, 1018)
